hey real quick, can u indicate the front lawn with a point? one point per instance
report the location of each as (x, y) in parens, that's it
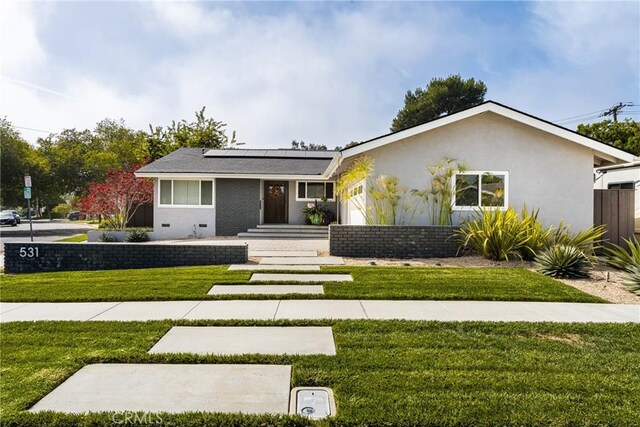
(180, 283)
(393, 372)
(78, 238)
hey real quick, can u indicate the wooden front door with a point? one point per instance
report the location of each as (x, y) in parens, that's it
(275, 202)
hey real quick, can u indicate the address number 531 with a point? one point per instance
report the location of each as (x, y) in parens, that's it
(29, 252)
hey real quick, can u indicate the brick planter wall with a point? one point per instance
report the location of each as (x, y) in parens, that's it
(43, 257)
(392, 241)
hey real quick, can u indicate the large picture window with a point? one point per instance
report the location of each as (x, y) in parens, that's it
(181, 192)
(309, 191)
(480, 189)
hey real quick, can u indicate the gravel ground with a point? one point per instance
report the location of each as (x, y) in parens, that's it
(604, 282)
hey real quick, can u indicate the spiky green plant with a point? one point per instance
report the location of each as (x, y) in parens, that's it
(107, 238)
(632, 279)
(588, 241)
(563, 261)
(538, 236)
(624, 258)
(495, 234)
(137, 235)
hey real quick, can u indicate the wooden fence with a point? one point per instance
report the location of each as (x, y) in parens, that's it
(615, 209)
(143, 217)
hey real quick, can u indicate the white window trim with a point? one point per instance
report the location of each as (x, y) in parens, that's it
(480, 173)
(306, 199)
(198, 206)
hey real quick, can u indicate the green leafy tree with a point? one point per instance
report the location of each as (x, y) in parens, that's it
(203, 133)
(441, 96)
(624, 134)
(15, 156)
(301, 145)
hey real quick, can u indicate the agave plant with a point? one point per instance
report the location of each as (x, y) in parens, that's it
(632, 279)
(107, 238)
(624, 258)
(137, 235)
(563, 261)
(494, 234)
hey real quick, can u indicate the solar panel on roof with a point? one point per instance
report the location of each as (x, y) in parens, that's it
(292, 154)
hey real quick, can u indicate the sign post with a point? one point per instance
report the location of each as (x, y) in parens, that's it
(27, 195)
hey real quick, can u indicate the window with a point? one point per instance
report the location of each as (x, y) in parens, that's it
(180, 192)
(310, 191)
(620, 186)
(480, 189)
(357, 190)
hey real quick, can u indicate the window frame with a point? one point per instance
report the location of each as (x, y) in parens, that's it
(307, 199)
(199, 205)
(479, 173)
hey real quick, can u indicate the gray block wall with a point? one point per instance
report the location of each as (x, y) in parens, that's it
(45, 257)
(394, 241)
(237, 205)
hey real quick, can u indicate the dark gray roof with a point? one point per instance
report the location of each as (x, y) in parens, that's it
(263, 162)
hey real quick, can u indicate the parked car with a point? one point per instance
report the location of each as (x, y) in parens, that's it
(75, 216)
(7, 218)
(25, 213)
(16, 216)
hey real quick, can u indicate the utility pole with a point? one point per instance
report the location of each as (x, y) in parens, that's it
(613, 111)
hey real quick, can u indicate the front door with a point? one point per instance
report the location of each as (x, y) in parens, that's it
(275, 202)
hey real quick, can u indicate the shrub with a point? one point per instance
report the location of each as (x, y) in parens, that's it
(588, 241)
(107, 238)
(60, 211)
(136, 235)
(563, 261)
(494, 234)
(632, 279)
(624, 259)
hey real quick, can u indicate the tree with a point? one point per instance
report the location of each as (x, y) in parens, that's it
(301, 145)
(118, 197)
(203, 133)
(624, 134)
(14, 164)
(441, 96)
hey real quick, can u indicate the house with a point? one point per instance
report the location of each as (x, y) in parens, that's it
(624, 176)
(524, 159)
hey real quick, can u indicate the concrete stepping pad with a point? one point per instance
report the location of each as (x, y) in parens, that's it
(323, 260)
(265, 289)
(289, 277)
(283, 253)
(258, 267)
(250, 389)
(56, 311)
(233, 340)
(147, 310)
(234, 309)
(320, 309)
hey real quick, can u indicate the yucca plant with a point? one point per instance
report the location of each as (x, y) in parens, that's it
(538, 237)
(624, 258)
(587, 241)
(495, 234)
(563, 261)
(632, 279)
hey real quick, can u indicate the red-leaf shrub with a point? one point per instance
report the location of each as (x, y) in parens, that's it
(118, 197)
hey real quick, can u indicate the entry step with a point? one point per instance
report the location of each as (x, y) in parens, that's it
(290, 277)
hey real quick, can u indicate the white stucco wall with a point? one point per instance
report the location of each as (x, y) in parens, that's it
(181, 220)
(545, 171)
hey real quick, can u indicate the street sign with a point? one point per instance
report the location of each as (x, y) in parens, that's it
(27, 182)
(27, 193)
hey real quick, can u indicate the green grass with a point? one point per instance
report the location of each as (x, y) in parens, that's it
(385, 372)
(436, 283)
(78, 238)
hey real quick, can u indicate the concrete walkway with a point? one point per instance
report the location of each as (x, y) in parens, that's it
(323, 309)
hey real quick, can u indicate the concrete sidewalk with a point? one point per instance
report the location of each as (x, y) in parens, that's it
(323, 309)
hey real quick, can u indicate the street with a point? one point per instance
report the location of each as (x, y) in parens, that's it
(44, 230)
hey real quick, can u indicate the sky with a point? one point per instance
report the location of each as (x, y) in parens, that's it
(326, 73)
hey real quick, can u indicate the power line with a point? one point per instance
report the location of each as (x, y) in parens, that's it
(32, 129)
(578, 116)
